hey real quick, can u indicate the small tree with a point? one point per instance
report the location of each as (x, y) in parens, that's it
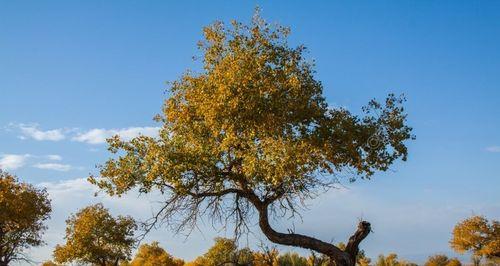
(437, 260)
(23, 211)
(478, 236)
(392, 260)
(94, 236)
(154, 255)
(266, 256)
(442, 260)
(49, 263)
(454, 262)
(292, 258)
(252, 133)
(225, 252)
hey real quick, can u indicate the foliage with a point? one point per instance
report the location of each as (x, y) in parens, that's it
(154, 255)
(392, 260)
(479, 236)
(225, 251)
(292, 259)
(266, 257)
(49, 263)
(94, 236)
(252, 129)
(442, 260)
(454, 262)
(23, 211)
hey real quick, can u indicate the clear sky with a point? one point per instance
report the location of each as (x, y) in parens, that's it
(74, 72)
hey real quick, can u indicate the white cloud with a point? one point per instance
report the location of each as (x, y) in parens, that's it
(98, 135)
(54, 157)
(32, 131)
(53, 166)
(493, 149)
(13, 161)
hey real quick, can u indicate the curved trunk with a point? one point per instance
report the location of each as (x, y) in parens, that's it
(337, 256)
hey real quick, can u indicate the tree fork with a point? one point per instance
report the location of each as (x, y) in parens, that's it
(337, 256)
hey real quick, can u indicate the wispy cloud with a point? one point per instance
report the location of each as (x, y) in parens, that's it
(13, 161)
(99, 135)
(54, 157)
(33, 132)
(493, 149)
(53, 166)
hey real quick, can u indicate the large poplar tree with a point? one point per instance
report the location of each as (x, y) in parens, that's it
(251, 133)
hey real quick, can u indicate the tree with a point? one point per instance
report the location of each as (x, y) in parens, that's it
(479, 236)
(291, 259)
(225, 252)
(437, 260)
(442, 260)
(266, 257)
(392, 260)
(49, 263)
(154, 255)
(454, 262)
(252, 133)
(94, 236)
(23, 211)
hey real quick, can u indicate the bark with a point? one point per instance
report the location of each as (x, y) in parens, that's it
(337, 256)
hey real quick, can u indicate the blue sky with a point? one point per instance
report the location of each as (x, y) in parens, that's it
(74, 72)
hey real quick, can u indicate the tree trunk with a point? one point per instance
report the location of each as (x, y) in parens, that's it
(337, 256)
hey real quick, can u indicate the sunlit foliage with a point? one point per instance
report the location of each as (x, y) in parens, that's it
(94, 236)
(479, 236)
(49, 263)
(154, 255)
(23, 212)
(225, 252)
(292, 258)
(252, 129)
(266, 257)
(442, 260)
(392, 260)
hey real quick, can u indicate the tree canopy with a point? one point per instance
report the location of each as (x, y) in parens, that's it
(252, 133)
(392, 260)
(23, 212)
(224, 251)
(479, 236)
(442, 260)
(94, 236)
(154, 255)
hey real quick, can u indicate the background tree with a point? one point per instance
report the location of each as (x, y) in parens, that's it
(292, 259)
(23, 211)
(94, 236)
(225, 252)
(266, 256)
(454, 262)
(392, 260)
(154, 255)
(442, 260)
(252, 133)
(49, 263)
(478, 236)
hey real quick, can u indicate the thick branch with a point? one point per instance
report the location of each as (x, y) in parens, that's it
(364, 228)
(347, 258)
(339, 257)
